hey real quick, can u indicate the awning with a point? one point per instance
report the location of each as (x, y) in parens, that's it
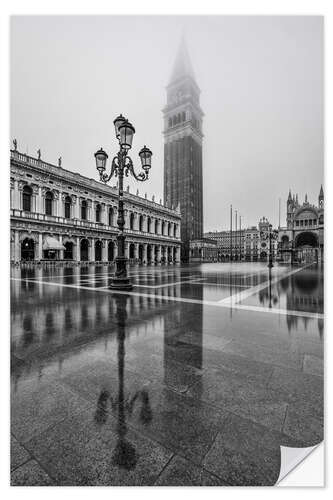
(52, 244)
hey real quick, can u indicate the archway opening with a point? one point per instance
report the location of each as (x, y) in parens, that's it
(28, 249)
(306, 239)
(110, 251)
(132, 251)
(68, 252)
(141, 253)
(98, 251)
(84, 249)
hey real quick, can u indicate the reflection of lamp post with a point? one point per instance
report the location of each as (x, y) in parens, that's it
(124, 455)
(122, 165)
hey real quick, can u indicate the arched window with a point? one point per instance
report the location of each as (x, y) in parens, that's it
(98, 212)
(148, 225)
(68, 203)
(26, 198)
(183, 116)
(110, 216)
(179, 118)
(170, 122)
(48, 203)
(175, 231)
(84, 210)
(140, 222)
(169, 228)
(321, 219)
(131, 220)
(156, 226)
(174, 120)
(162, 227)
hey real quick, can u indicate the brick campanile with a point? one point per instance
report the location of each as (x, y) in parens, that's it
(183, 149)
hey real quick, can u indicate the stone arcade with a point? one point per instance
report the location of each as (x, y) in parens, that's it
(57, 214)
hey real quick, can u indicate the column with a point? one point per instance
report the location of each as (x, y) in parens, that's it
(178, 255)
(91, 250)
(16, 196)
(158, 254)
(39, 201)
(104, 251)
(61, 252)
(40, 247)
(136, 251)
(17, 250)
(104, 214)
(126, 250)
(89, 210)
(144, 253)
(77, 249)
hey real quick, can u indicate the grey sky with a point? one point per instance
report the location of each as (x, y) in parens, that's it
(262, 94)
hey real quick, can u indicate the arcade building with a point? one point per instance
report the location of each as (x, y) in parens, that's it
(56, 214)
(302, 240)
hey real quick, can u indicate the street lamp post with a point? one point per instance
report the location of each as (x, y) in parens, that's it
(122, 165)
(270, 261)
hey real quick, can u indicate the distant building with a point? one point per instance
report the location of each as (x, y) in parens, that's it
(183, 150)
(203, 250)
(302, 240)
(248, 244)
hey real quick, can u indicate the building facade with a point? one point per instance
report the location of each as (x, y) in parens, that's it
(183, 149)
(249, 244)
(203, 250)
(57, 214)
(302, 239)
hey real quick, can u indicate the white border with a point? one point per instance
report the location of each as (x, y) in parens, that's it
(270, 7)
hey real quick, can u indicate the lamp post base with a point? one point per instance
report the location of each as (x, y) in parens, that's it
(121, 284)
(120, 280)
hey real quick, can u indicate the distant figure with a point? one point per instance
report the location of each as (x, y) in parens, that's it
(137, 192)
(128, 189)
(160, 201)
(59, 161)
(39, 154)
(15, 144)
(153, 198)
(146, 195)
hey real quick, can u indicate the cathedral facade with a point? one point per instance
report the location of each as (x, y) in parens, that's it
(302, 239)
(56, 214)
(183, 150)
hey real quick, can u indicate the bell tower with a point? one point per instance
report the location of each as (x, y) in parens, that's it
(183, 149)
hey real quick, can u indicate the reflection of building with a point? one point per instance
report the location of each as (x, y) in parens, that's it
(59, 214)
(249, 244)
(302, 240)
(183, 149)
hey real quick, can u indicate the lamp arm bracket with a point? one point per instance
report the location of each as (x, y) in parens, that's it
(114, 171)
(129, 169)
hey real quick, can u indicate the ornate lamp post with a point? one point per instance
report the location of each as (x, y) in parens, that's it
(122, 165)
(270, 261)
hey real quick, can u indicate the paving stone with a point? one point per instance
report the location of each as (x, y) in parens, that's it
(181, 472)
(313, 365)
(84, 450)
(18, 454)
(30, 474)
(36, 407)
(243, 395)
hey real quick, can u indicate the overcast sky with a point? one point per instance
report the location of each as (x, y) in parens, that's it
(262, 94)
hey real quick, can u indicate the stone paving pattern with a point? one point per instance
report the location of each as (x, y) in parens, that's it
(142, 390)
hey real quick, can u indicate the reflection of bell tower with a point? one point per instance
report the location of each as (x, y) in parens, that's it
(183, 149)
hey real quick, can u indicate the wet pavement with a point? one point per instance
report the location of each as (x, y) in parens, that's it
(194, 378)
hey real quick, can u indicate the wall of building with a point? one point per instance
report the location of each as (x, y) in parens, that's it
(152, 230)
